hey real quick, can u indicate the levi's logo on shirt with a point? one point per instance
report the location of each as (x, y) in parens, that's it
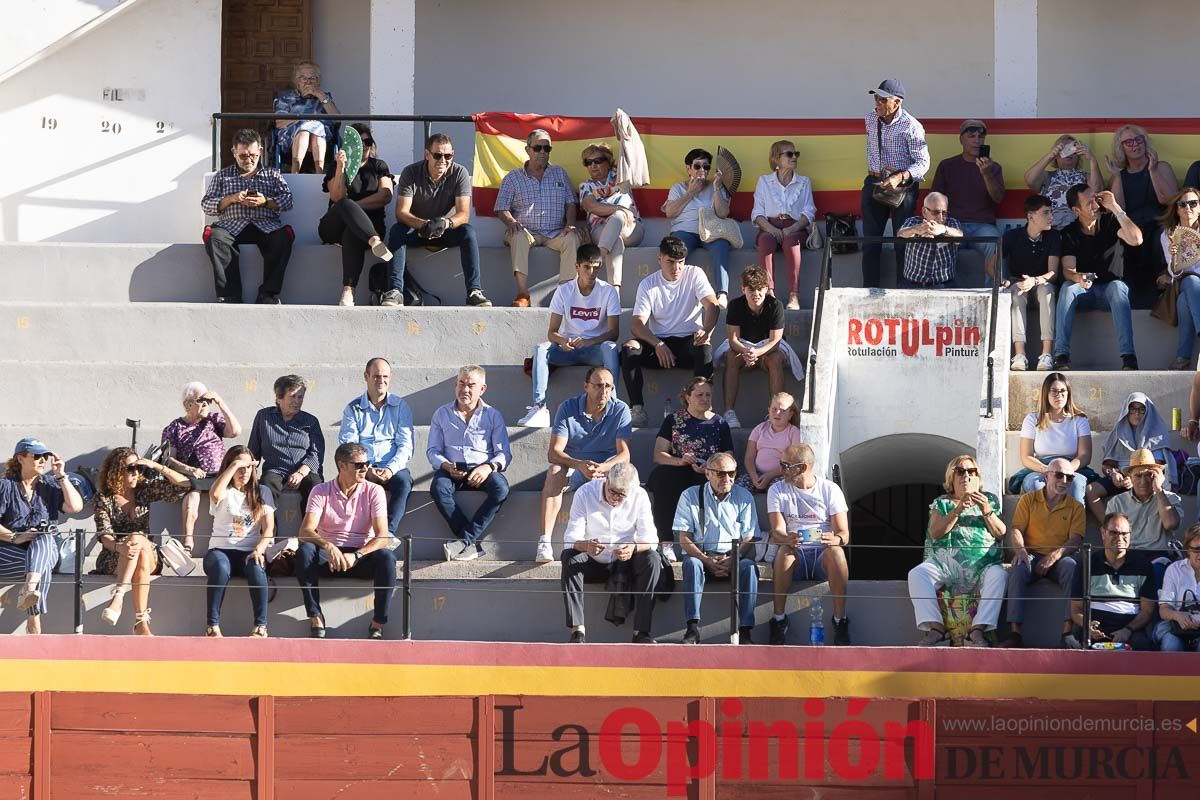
(585, 313)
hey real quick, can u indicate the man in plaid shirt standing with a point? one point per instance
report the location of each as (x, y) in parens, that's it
(930, 265)
(897, 156)
(246, 198)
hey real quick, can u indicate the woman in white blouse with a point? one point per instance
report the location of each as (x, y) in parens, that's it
(1183, 211)
(1180, 585)
(1058, 429)
(784, 213)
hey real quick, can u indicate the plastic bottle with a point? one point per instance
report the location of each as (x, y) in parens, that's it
(816, 625)
(668, 407)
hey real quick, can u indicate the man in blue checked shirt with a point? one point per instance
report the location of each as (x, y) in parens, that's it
(382, 423)
(468, 449)
(246, 198)
(709, 520)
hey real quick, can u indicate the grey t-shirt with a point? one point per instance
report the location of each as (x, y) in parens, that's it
(429, 199)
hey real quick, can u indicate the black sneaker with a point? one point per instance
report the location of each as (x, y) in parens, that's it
(841, 631)
(692, 634)
(392, 297)
(578, 637)
(643, 638)
(1062, 362)
(779, 631)
(744, 635)
(1129, 362)
(266, 299)
(476, 297)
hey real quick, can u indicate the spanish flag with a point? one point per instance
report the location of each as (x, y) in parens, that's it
(832, 151)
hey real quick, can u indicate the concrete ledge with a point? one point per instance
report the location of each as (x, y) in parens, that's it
(1101, 394)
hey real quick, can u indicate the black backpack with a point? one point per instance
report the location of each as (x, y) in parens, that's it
(841, 225)
(414, 293)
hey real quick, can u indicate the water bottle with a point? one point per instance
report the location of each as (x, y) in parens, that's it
(668, 407)
(816, 625)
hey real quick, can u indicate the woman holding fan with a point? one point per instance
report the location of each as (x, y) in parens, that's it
(1181, 245)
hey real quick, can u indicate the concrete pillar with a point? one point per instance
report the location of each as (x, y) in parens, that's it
(1016, 45)
(393, 66)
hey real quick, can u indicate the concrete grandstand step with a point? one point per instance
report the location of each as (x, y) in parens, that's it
(1094, 342)
(1101, 394)
(1012, 449)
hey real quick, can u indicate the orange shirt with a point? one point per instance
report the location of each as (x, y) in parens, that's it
(1045, 529)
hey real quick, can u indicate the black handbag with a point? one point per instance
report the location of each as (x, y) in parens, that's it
(841, 225)
(1186, 607)
(892, 198)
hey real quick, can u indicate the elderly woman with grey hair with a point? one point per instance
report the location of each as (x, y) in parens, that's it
(300, 137)
(610, 528)
(194, 445)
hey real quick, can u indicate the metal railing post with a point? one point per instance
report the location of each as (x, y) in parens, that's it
(1087, 596)
(216, 141)
(406, 607)
(993, 304)
(734, 591)
(79, 538)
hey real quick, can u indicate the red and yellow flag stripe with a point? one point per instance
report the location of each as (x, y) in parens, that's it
(832, 151)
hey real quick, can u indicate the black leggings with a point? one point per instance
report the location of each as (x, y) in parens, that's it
(346, 223)
(687, 354)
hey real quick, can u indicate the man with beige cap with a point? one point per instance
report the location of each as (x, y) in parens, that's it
(975, 185)
(1154, 513)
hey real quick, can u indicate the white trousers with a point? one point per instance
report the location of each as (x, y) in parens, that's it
(926, 578)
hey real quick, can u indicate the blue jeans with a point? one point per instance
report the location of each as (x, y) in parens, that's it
(1112, 296)
(604, 354)
(398, 489)
(1188, 308)
(219, 567)
(875, 216)
(1169, 642)
(693, 589)
(719, 252)
(1036, 481)
(471, 531)
(463, 237)
(1022, 575)
(980, 229)
(378, 566)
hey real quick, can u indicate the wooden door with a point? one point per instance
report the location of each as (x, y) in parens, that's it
(261, 41)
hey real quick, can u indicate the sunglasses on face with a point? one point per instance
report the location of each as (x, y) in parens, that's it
(1132, 141)
(724, 473)
(788, 154)
(43, 457)
(973, 130)
(368, 142)
(540, 148)
(444, 156)
(247, 156)
(1188, 204)
(1066, 476)
(359, 466)
(964, 471)
(591, 162)
(791, 464)
(132, 469)
(699, 165)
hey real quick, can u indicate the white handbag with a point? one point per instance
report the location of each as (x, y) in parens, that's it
(175, 557)
(815, 240)
(713, 227)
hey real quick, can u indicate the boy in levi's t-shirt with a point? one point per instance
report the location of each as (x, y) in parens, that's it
(585, 316)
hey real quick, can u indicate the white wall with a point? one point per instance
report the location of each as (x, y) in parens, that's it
(75, 181)
(39, 23)
(342, 46)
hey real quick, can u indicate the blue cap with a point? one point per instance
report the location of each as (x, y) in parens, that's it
(30, 445)
(892, 87)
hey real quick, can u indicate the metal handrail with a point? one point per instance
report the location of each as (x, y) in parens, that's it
(263, 116)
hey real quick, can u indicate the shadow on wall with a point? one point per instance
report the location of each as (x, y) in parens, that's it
(899, 459)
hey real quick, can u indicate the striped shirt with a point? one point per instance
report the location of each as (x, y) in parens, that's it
(539, 205)
(904, 145)
(481, 439)
(929, 262)
(267, 181)
(286, 445)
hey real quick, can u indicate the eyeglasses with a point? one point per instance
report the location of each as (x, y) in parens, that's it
(788, 154)
(540, 148)
(604, 387)
(591, 162)
(698, 165)
(368, 142)
(1144, 473)
(791, 464)
(1119, 533)
(1136, 410)
(204, 401)
(1188, 204)
(446, 156)
(1066, 476)
(961, 471)
(1134, 140)
(724, 473)
(310, 77)
(43, 456)
(615, 493)
(974, 129)
(1059, 391)
(132, 469)
(938, 212)
(359, 466)
(247, 156)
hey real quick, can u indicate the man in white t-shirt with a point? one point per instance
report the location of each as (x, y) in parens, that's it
(585, 320)
(611, 528)
(810, 525)
(674, 315)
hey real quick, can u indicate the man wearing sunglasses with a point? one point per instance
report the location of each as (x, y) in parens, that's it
(538, 207)
(1047, 528)
(344, 535)
(611, 530)
(1122, 591)
(930, 265)
(975, 185)
(710, 521)
(1089, 245)
(433, 209)
(810, 526)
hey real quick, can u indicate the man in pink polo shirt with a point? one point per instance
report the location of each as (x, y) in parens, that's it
(345, 535)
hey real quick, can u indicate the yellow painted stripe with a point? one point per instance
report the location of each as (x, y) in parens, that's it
(832, 162)
(403, 680)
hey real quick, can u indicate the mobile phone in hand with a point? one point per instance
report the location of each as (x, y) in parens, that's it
(985, 151)
(252, 193)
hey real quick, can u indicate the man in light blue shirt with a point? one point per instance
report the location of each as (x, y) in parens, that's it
(468, 449)
(382, 423)
(709, 519)
(591, 433)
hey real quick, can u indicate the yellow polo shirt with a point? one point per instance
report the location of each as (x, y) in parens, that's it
(1044, 529)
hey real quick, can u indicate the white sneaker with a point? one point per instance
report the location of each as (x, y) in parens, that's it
(469, 552)
(637, 416)
(347, 298)
(1018, 363)
(668, 551)
(545, 552)
(380, 251)
(1045, 362)
(451, 548)
(732, 420)
(535, 417)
